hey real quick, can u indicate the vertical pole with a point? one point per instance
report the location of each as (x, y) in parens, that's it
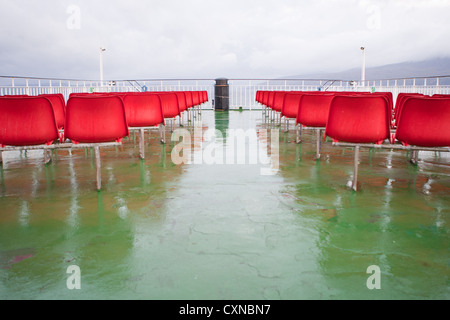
(47, 156)
(411, 157)
(318, 144)
(101, 65)
(414, 156)
(98, 166)
(141, 144)
(299, 133)
(162, 132)
(355, 172)
(363, 69)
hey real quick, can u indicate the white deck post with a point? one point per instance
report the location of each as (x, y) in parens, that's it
(162, 132)
(98, 166)
(318, 144)
(141, 144)
(355, 171)
(298, 129)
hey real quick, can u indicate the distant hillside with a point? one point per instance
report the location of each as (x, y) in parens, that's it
(432, 67)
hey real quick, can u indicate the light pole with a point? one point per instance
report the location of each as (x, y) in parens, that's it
(363, 70)
(101, 65)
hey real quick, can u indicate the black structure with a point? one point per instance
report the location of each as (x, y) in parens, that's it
(221, 94)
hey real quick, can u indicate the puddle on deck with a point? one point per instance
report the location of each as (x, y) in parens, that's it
(158, 230)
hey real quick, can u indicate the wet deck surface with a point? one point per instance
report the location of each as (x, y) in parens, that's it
(158, 230)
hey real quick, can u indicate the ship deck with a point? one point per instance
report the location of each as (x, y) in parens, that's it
(160, 230)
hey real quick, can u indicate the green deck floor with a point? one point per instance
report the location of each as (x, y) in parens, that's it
(158, 230)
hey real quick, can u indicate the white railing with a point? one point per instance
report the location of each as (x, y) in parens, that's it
(35, 86)
(242, 92)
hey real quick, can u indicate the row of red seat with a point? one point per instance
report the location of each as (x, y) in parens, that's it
(421, 120)
(30, 122)
(367, 119)
(363, 117)
(88, 117)
(172, 104)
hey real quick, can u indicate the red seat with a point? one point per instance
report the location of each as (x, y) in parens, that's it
(424, 122)
(182, 104)
(169, 103)
(401, 97)
(313, 110)
(290, 104)
(264, 98)
(278, 100)
(359, 119)
(270, 99)
(59, 106)
(143, 110)
(189, 100)
(26, 121)
(196, 98)
(205, 96)
(95, 119)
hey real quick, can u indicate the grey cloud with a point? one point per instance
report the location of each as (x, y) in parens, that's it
(200, 38)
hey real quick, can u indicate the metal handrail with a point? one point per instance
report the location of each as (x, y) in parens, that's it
(242, 91)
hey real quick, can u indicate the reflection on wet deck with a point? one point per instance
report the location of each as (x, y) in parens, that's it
(215, 231)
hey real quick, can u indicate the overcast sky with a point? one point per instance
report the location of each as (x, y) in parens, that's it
(210, 39)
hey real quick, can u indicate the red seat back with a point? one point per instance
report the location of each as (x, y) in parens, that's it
(290, 104)
(143, 110)
(189, 100)
(196, 98)
(258, 96)
(313, 110)
(169, 103)
(271, 99)
(59, 106)
(278, 100)
(94, 119)
(181, 95)
(27, 121)
(424, 122)
(401, 98)
(205, 96)
(265, 98)
(358, 119)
